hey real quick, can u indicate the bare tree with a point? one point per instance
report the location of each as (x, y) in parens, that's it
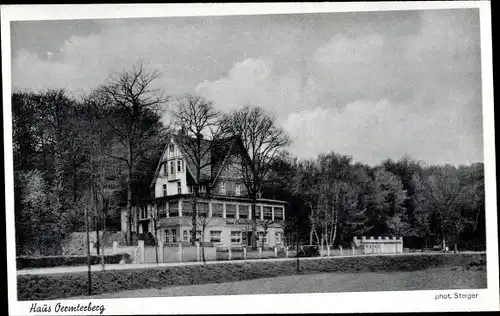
(202, 129)
(203, 221)
(132, 110)
(263, 140)
(154, 216)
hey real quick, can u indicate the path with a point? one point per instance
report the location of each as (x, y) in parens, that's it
(84, 268)
(430, 279)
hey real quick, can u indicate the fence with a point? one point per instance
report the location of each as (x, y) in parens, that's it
(187, 253)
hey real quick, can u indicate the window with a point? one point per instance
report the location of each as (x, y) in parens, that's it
(230, 211)
(144, 212)
(202, 209)
(167, 236)
(187, 209)
(223, 188)
(244, 237)
(262, 237)
(162, 211)
(198, 234)
(174, 236)
(277, 237)
(257, 211)
(278, 213)
(172, 167)
(164, 190)
(217, 209)
(268, 212)
(165, 169)
(173, 209)
(215, 236)
(236, 237)
(171, 148)
(185, 235)
(238, 190)
(244, 211)
(179, 188)
(203, 189)
(179, 168)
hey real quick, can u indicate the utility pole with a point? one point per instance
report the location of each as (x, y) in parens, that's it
(89, 259)
(88, 250)
(297, 240)
(301, 95)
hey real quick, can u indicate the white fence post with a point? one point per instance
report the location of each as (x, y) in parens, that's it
(180, 252)
(260, 252)
(229, 255)
(244, 252)
(340, 250)
(276, 252)
(91, 245)
(142, 250)
(160, 251)
(328, 251)
(353, 250)
(115, 247)
(286, 251)
(197, 251)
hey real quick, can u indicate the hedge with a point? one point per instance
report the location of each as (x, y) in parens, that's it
(56, 261)
(57, 286)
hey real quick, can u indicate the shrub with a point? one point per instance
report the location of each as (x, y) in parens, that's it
(57, 286)
(56, 261)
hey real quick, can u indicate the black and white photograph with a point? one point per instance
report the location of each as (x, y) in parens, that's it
(249, 158)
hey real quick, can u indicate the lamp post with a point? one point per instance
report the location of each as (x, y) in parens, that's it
(88, 250)
(297, 241)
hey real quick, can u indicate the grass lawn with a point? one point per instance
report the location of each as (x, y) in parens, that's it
(369, 273)
(429, 279)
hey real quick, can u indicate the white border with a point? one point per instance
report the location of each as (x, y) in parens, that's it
(403, 301)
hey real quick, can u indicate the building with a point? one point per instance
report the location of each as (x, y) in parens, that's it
(380, 245)
(223, 207)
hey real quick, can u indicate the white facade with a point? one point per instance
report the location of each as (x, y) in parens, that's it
(172, 172)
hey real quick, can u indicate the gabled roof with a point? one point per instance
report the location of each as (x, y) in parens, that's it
(186, 145)
(214, 160)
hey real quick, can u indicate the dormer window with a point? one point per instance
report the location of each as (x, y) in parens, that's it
(164, 190)
(171, 148)
(171, 167)
(165, 169)
(179, 166)
(223, 188)
(238, 190)
(203, 188)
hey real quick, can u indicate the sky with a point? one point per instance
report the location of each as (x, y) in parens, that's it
(371, 85)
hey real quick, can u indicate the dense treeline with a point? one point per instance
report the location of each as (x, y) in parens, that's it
(334, 199)
(100, 151)
(94, 153)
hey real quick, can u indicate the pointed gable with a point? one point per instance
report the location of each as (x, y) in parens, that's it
(217, 155)
(186, 144)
